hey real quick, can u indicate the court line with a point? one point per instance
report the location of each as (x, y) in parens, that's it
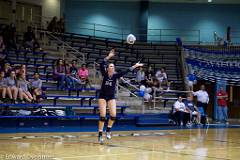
(150, 150)
(101, 155)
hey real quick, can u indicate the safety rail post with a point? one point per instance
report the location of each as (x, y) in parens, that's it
(160, 36)
(94, 30)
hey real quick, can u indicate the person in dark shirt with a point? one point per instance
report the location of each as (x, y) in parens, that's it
(193, 110)
(30, 41)
(107, 94)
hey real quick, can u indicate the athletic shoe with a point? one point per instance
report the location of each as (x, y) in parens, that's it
(100, 139)
(108, 135)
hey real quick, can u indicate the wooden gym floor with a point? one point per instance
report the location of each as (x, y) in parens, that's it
(186, 144)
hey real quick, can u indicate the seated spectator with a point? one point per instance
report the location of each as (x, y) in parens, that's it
(7, 69)
(12, 89)
(69, 82)
(83, 75)
(22, 70)
(74, 76)
(149, 75)
(30, 41)
(60, 74)
(156, 88)
(52, 26)
(3, 86)
(193, 110)
(140, 76)
(36, 87)
(24, 93)
(181, 113)
(161, 75)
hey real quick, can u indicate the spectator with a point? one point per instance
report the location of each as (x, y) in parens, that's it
(181, 113)
(83, 74)
(30, 41)
(192, 109)
(12, 89)
(202, 98)
(23, 85)
(140, 76)
(74, 76)
(3, 86)
(161, 75)
(59, 73)
(36, 85)
(22, 70)
(191, 79)
(222, 97)
(7, 69)
(61, 25)
(9, 37)
(69, 81)
(52, 26)
(149, 74)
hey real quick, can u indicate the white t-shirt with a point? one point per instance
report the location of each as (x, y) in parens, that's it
(202, 96)
(179, 106)
(161, 76)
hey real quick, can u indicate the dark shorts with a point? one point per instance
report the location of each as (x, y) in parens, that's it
(106, 97)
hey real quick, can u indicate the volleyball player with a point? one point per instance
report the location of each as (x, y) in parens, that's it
(107, 94)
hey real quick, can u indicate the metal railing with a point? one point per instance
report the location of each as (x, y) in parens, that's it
(152, 35)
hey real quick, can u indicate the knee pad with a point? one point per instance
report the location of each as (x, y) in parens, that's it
(112, 118)
(102, 119)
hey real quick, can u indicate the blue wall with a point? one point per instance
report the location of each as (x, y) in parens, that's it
(205, 17)
(118, 14)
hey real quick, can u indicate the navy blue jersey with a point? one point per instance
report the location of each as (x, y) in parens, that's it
(108, 87)
(190, 105)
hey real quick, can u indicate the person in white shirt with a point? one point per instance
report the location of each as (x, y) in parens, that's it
(140, 75)
(161, 76)
(181, 112)
(202, 98)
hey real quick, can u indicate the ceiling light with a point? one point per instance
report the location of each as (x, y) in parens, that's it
(209, 1)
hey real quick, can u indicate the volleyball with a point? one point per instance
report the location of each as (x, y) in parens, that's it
(131, 39)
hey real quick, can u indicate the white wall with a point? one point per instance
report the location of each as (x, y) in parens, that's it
(50, 8)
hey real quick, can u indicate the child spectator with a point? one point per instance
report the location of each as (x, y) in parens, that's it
(36, 85)
(12, 89)
(3, 86)
(7, 69)
(22, 70)
(24, 93)
(140, 76)
(83, 74)
(74, 76)
(69, 82)
(161, 75)
(149, 74)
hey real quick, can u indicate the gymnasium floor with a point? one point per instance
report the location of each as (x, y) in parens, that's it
(181, 144)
